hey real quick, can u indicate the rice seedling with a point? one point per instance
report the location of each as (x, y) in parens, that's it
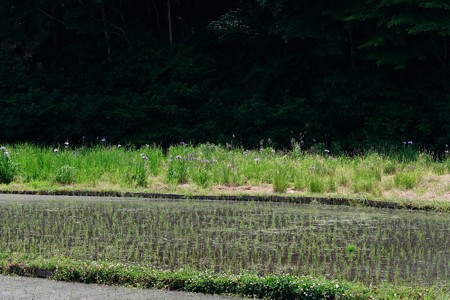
(368, 245)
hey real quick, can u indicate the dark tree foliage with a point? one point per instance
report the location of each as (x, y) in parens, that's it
(348, 72)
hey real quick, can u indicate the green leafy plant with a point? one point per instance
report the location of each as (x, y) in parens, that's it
(66, 175)
(8, 168)
(280, 180)
(407, 179)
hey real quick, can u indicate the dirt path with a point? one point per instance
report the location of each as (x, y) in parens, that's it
(23, 288)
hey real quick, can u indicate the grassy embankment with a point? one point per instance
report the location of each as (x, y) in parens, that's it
(406, 177)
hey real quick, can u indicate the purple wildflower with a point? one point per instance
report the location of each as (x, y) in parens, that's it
(178, 157)
(206, 161)
(312, 168)
(257, 159)
(144, 157)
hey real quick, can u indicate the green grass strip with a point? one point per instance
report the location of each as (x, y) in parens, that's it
(246, 285)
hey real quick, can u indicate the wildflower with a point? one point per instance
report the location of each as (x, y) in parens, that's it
(178, 157)
(55, 150)
(3, 149)
(66, 143)
(312, 168)
(206, 161)
(229, 165)
(246, 152)
(183, 144)
(326, 151)
(257, 159)
(144, 157)
(215, 161)
(147, 145)
(103, 140)
(410, 142)
(404, 143)
(119, 145)
(6, 153)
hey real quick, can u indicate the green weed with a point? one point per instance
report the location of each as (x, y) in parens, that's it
(8, 169)
(66, 175)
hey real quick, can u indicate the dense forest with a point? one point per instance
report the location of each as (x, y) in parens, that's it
(344, 72)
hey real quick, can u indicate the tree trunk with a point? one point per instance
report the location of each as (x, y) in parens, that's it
(105, 31)
(169, 15)
(352, 49)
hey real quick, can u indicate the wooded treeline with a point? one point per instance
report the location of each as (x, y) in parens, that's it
(352, 72)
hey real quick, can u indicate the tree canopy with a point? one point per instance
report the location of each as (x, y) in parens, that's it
(348, 72)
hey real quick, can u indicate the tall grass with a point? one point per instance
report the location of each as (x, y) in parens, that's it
(207, 165)
(8, 168)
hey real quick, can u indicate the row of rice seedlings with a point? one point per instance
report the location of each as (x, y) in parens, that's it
(370, 246)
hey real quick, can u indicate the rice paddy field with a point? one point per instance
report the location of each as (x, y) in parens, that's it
(355, 244)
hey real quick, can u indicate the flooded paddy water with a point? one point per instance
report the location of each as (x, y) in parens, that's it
(364, 244)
